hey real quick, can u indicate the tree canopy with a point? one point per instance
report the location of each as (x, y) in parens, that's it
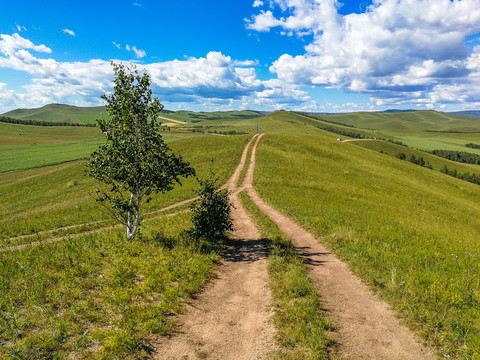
(135, 161)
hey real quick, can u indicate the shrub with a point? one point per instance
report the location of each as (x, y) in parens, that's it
(211, 215)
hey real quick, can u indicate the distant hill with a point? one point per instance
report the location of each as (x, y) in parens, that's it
(59, 113)
(217, 115)
(472, 113)
(87, 115)
(395, 111)
(421, 120)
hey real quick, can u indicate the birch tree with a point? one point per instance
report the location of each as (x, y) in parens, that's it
(135, 161)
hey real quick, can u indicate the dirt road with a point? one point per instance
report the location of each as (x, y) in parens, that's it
(230, 319)
(365, 327)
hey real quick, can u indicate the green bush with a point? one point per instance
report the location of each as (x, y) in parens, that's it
(211, 215)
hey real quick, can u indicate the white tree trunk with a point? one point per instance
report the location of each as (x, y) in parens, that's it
(132, 226)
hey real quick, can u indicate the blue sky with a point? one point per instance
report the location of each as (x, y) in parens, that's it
(310, 55)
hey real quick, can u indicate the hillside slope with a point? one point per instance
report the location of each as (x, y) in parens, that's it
(410, 232)
(59, 113)
(62, 113)
(424, 120)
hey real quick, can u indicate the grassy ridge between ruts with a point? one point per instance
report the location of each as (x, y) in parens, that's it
(299, 319)
(412, 233)
(97, 296)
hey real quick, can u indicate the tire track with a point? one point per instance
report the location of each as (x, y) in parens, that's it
(230, 319)
(365, 327)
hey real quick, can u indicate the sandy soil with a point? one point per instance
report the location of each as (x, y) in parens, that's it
(230, 319)
(364, 326)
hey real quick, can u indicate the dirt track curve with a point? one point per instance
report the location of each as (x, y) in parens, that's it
(230, 319)
(365, 327)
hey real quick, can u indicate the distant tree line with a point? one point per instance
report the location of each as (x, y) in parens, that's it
(473, 178)
(10, 120)
(414, 160)
(453, 131)
(207, 130)
(473, 146)
(458, 156)
(316, 117)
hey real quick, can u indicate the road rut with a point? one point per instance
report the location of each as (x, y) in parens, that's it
(230, 319)
(365, 327)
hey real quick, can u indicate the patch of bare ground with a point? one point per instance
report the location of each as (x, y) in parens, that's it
(230, 318)
(364, 326)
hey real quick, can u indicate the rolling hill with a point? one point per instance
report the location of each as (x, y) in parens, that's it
(423, 120)
(59, 113)
(62, 113)
(408, 231)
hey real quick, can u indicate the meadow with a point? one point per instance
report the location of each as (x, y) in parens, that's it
(436, 162)
(96, 295)
(26, 146)
(408, 231)
(426, 130)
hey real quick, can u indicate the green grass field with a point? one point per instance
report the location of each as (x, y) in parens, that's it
(58, 196)
(410, 232)
(26, 146)
(97, 296)
(436, 162)
(15, 134)
(424, 120)
(426, 130)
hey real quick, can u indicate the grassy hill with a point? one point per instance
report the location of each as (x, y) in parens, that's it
(215, 115)
(424, 120)
(426, 130)
(28, 146)
(96, 295)
(410, 232)
(87, 115)
(59, 113)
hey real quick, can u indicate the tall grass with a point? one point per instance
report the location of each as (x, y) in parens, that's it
(98, 296)
(412, 233)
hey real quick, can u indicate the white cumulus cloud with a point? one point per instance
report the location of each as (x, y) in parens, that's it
(396, 50)
(215, 80)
